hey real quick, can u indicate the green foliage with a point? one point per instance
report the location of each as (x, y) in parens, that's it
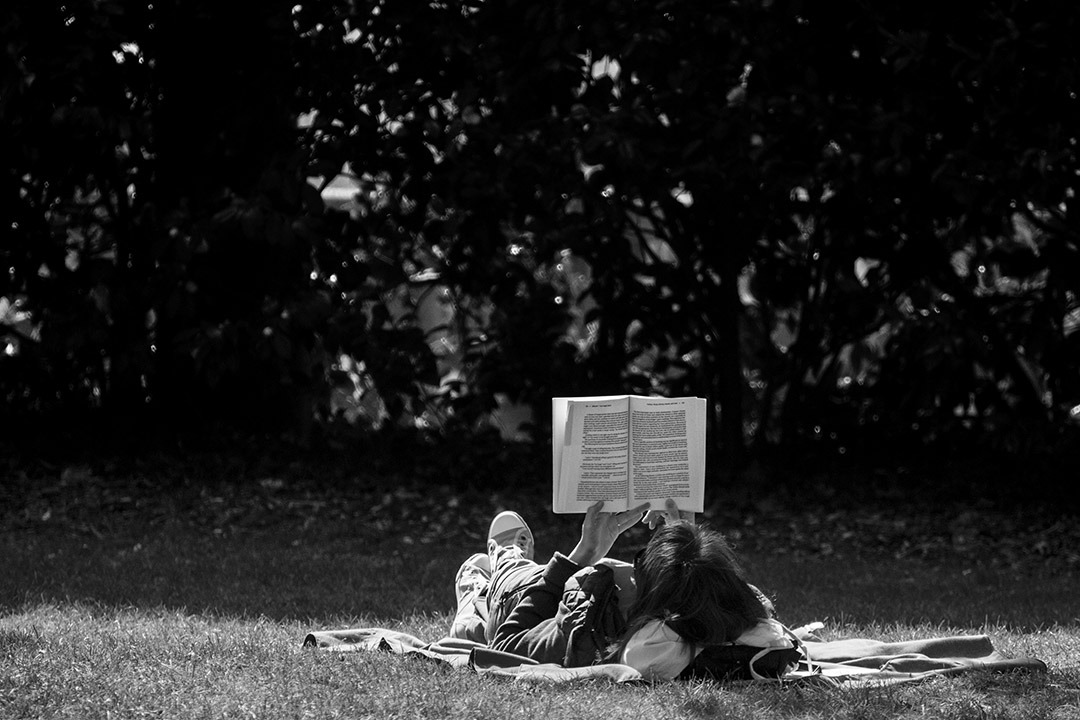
(159, 233)
(72, 141)
(844, 225)
(936, 207)
(78, 137)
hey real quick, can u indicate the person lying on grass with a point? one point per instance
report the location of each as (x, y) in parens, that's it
(684, 594)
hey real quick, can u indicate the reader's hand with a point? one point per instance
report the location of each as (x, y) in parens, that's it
(600, 530)
(671, 513)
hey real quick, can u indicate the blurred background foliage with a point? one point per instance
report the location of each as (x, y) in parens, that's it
(851, 225)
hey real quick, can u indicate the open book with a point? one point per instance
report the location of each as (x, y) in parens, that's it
(627, 450)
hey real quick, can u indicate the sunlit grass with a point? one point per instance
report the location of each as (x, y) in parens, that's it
(178, 621)
(72, 660)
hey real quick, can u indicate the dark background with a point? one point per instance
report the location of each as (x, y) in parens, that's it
(359, 232)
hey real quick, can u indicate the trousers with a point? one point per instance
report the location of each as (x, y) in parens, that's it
(486, 596)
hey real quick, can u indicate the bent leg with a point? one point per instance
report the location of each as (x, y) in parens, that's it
(471, 589)
(513, 574)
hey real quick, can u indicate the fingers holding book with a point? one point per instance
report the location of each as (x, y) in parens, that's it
(669, 514)
(600, 530)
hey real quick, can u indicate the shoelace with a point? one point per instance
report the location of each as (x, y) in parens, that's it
(522, 541)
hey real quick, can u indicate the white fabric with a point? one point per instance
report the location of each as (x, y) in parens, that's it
(657, 652)
(768, 633)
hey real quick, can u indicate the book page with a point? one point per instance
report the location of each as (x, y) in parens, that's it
(560, 432)
(594, 454)
(667, 459)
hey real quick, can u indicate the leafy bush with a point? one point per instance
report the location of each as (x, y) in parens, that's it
(845, 227)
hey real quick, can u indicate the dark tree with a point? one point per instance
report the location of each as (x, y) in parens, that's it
(847, 224)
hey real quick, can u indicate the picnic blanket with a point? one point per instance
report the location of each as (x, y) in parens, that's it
(863, 661)
(852, 662)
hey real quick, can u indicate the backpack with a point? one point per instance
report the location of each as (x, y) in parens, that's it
(742, 662)
(768, 651)
(589, 616)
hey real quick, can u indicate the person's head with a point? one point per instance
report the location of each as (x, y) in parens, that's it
(688, 576)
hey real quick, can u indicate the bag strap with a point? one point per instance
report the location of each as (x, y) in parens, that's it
(797, 645)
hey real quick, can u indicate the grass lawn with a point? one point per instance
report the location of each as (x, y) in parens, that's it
(130, 599)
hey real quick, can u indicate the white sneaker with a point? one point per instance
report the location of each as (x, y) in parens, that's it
(508, 529)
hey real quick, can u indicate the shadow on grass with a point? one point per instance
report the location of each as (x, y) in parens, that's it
(279, 574)
(915, 592)
(333, 576)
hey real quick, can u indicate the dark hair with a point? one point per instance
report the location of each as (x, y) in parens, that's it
(689, 577)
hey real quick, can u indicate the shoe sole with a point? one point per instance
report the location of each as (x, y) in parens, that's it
(505, 529)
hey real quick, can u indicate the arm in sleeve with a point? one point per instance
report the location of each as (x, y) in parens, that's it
(530, 628)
